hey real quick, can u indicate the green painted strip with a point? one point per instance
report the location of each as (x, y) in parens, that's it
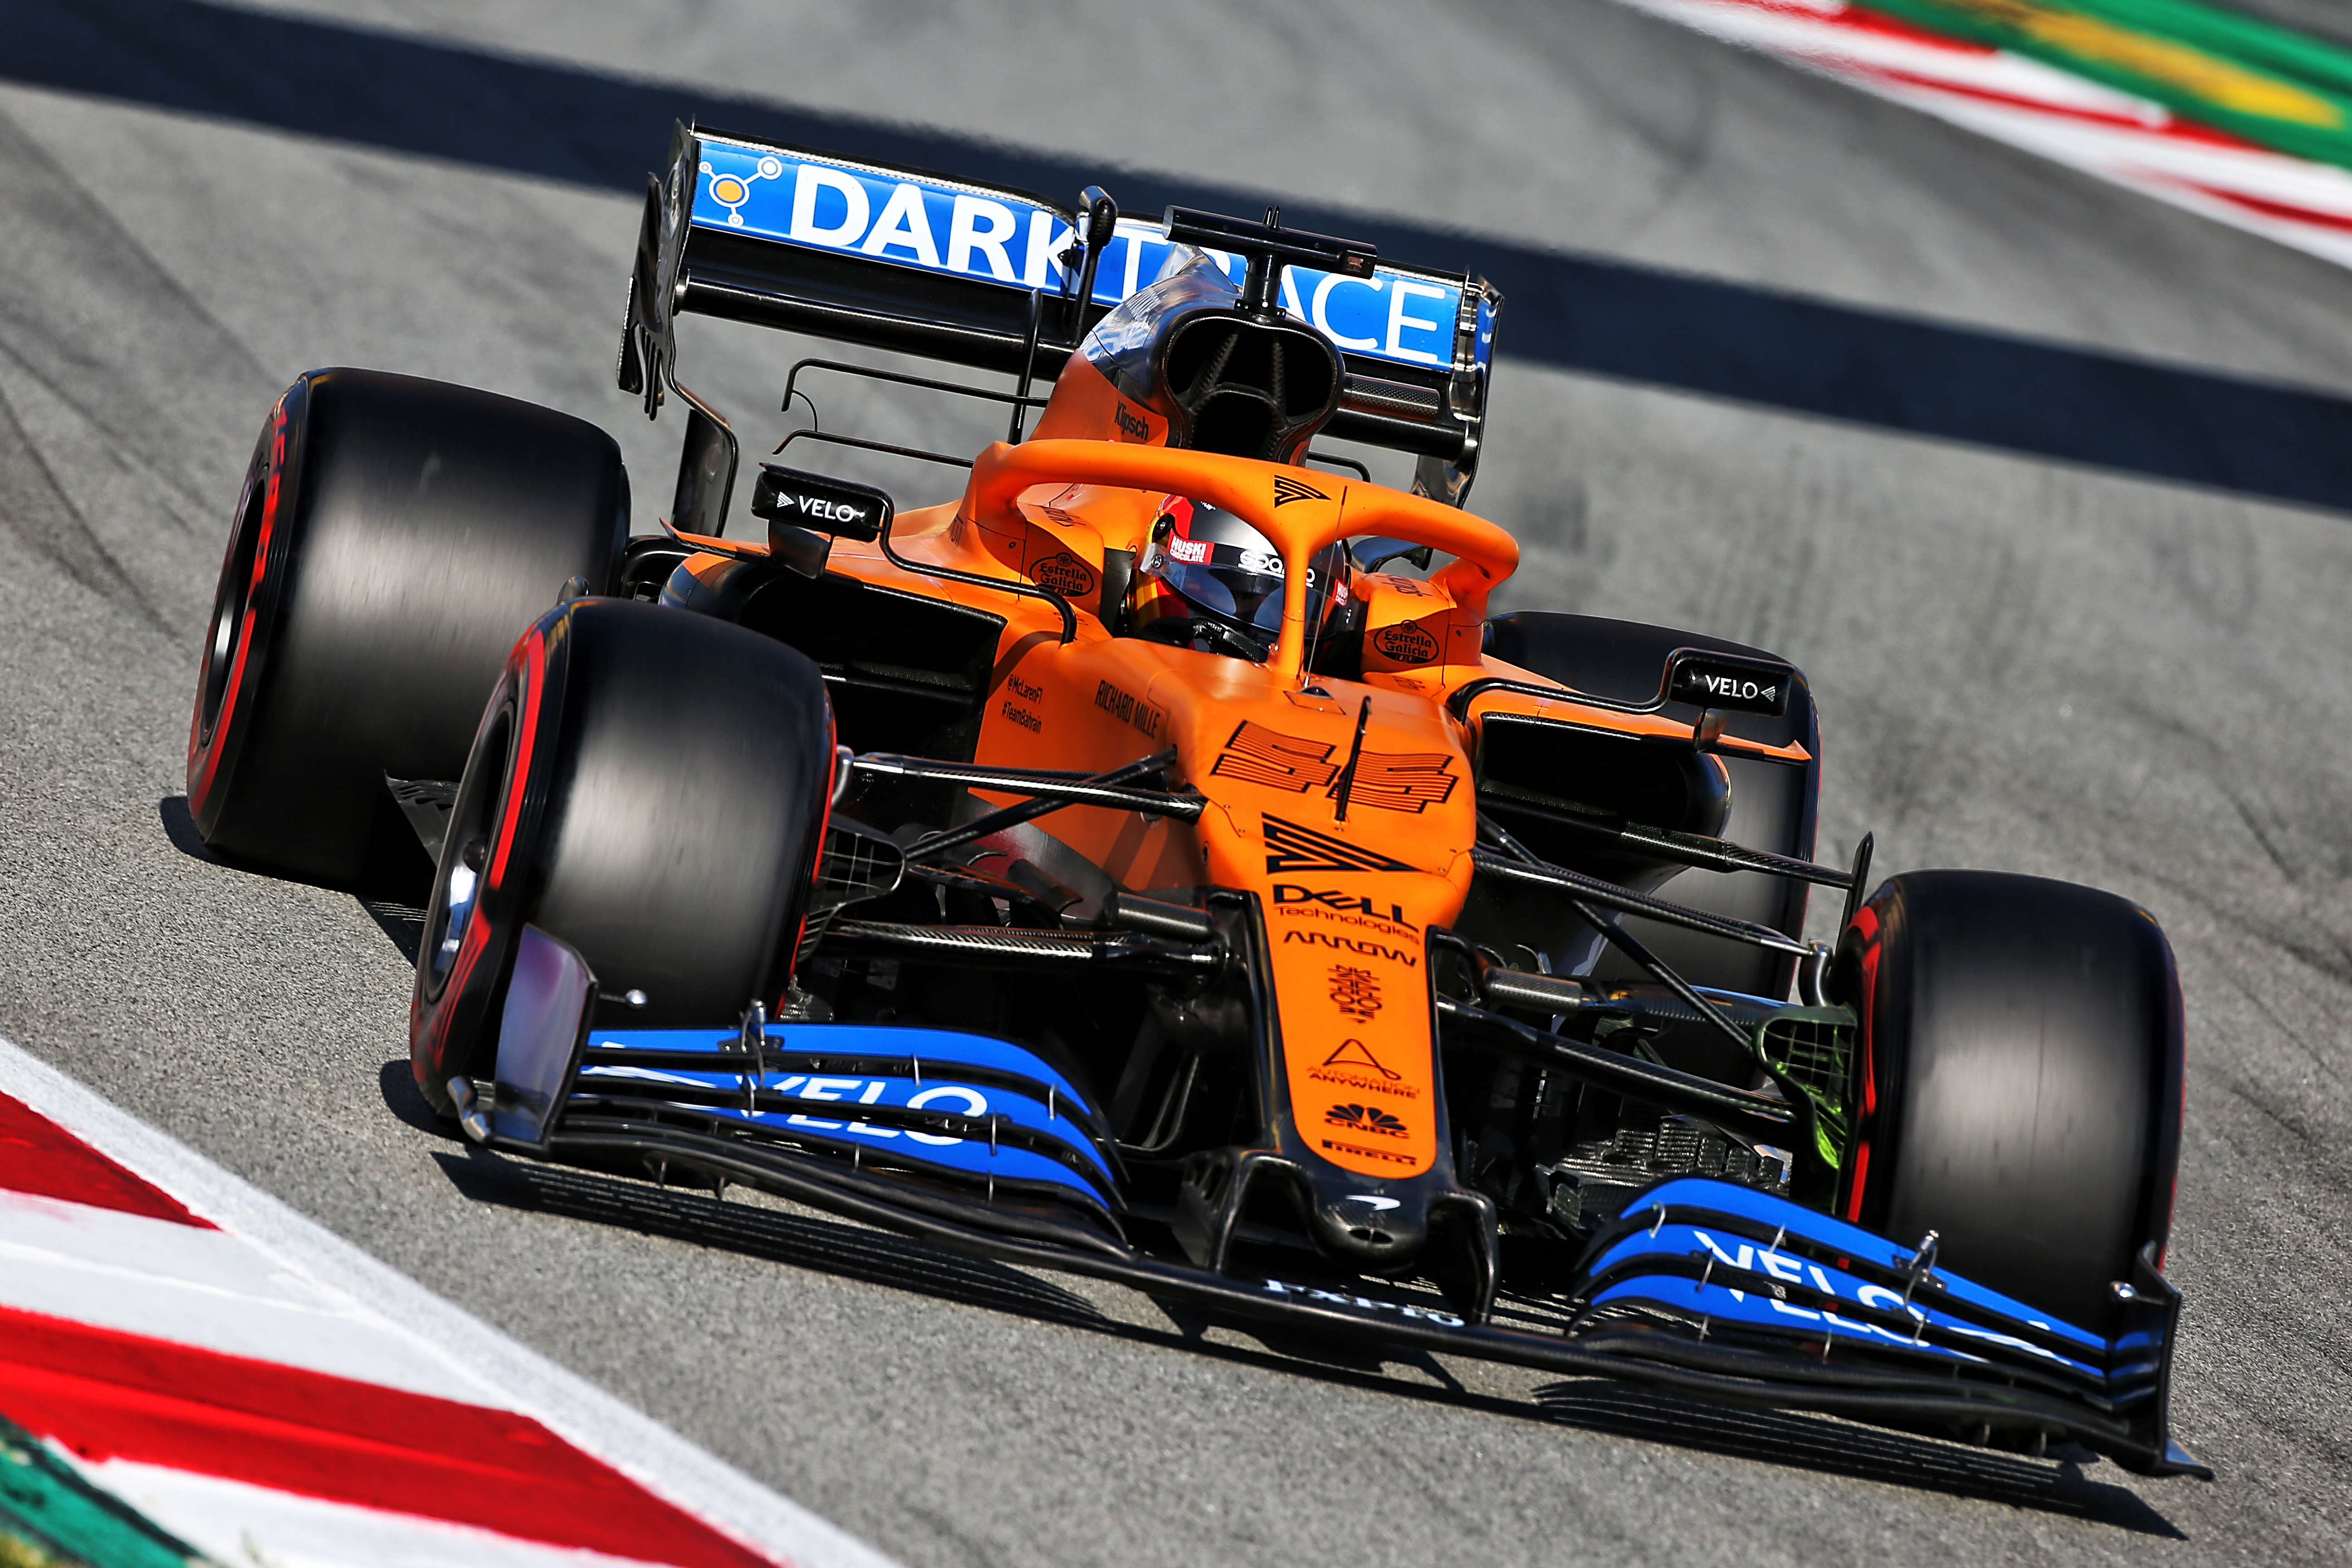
(51, 1518)
(2276, 88)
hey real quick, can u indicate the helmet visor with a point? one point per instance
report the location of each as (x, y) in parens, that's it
(1242, 585)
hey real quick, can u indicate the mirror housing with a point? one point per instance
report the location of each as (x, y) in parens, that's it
(706, 475)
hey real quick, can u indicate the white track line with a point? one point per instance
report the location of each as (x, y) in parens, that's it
(2070, 120)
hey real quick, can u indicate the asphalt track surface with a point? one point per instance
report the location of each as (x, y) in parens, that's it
(2055, 652)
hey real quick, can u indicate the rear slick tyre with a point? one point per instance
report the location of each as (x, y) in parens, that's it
(393, 537)
(651, 787)
(2020, 1082)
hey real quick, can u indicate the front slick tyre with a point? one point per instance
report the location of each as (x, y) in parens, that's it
(2020, 1081)
(649, 785)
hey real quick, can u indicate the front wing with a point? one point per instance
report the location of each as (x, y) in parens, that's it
(978, 1145)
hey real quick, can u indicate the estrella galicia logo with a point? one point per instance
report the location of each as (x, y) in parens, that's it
(1288, 489)
(1405, 643)
(1065, 575)
(1365, 1119)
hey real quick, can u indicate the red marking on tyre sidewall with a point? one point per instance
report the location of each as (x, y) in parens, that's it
(815, 855)
(200, 783)
(1865, 929)
(531, 652)
(526, 667)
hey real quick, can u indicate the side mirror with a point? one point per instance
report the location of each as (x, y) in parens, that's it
(1101, 215)
(706, 475)
(806, 512)
(1727, 681)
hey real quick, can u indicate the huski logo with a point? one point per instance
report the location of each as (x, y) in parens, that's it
(1290, 847)
(1288, 489)
(1364, 1119)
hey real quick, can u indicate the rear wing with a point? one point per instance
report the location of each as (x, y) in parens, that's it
(998, 279)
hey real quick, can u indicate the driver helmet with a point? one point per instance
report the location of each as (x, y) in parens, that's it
(1203, 561)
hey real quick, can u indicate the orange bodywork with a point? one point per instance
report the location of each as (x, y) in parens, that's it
(1347, 898)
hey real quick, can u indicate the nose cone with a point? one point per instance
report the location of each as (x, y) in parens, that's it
(1370, 1230)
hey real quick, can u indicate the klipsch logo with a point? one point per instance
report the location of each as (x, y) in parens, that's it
(1131, 426)
(1288, 489)
(1364, 1119)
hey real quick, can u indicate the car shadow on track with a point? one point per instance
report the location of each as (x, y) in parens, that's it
(1828, 1446)
(798, 1240)
(697, 1216)
(548, 120)
(391, 889)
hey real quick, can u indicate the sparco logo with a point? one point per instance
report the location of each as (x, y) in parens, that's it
(1130, 425)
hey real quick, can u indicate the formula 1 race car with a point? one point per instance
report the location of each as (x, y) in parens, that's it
(1152, 862)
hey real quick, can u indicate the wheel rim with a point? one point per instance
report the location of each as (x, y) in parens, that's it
(227, 630)
(482, 803)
